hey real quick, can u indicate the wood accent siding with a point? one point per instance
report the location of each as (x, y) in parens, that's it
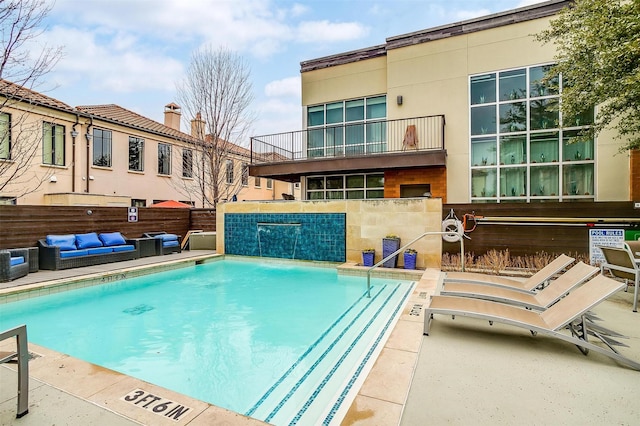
(528, 237)
(634, 167)
(436, 177)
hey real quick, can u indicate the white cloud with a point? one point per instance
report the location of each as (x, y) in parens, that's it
(120, 65)
(286, 87)
(325, 31)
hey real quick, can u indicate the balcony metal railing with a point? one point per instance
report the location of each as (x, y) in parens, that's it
(372, 137)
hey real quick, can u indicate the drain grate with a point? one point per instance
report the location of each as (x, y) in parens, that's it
(422, 295)
(138, 310)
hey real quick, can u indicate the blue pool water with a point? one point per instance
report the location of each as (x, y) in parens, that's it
(276, 341)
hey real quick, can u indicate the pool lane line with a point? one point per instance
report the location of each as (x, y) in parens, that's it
(322, 356)
(303, 356)
(354, 377)
(335, 367)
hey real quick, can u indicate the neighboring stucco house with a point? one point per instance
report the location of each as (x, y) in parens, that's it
(458, 111)
(55, 154)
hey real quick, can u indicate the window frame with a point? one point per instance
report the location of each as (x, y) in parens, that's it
(229, 172)
(336, 187)
(136, 144)
(187, 163)
(329, 137)
(164, 159)
(5, 136)
(54, 158)
(101, 139)
(535, 165)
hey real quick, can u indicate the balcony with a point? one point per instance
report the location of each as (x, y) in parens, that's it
(375, 145)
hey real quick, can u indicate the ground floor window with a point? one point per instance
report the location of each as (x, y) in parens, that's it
(346, 187)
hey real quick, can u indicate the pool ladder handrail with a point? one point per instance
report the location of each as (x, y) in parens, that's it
(20, 332)
(404, 247)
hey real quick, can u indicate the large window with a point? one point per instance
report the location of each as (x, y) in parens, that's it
(5, 136)
(164, 159)
(345, 187)
(229, 175)
(351, 127)
(245, 174)
(136, 154)
(187, 163)
(519, 141)
(53, 144)
(102, 147)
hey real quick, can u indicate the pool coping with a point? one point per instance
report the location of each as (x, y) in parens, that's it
(380, 398)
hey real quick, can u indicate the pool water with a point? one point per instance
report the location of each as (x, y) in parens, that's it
(276, 341)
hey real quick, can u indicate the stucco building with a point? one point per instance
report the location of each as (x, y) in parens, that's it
(55, 154)
(461, 111)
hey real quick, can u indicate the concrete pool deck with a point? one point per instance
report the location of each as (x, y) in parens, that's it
(463, 373)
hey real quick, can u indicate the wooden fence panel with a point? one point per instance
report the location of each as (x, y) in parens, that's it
(23, 226)
(204, 219)
(533, 228)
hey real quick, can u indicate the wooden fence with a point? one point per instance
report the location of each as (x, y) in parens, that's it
(23, 226)
(526, 229)
(522, 228)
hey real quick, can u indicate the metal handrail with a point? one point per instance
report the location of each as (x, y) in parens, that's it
(404, 247)
(20, 332)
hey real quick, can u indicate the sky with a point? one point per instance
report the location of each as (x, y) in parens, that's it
(132, 53)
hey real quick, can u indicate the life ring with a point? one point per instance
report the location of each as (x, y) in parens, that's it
(453, 229)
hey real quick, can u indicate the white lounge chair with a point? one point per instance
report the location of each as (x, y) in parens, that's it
(531, 283)
(569, 312)
(534, 300)
(621, 263)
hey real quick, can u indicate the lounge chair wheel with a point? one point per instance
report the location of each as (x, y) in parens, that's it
(585, 351)
(453, 317)
(533, 333)
(490, 322)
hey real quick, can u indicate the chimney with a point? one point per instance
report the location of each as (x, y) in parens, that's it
(172, 116)
(197, 127)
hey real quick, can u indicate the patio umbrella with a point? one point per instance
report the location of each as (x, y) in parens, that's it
(172, 204)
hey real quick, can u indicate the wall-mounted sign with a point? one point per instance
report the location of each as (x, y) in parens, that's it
(133, 214)
(603, 237)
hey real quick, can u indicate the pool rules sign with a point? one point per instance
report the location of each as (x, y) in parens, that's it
(606, 238)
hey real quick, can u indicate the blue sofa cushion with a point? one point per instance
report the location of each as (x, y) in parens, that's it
(112, 239)
(100, 250)
(73, 253)
(65, 242)
(170, 243)
(167, 237)
(18, 260)
(90, 240)
(126, 247)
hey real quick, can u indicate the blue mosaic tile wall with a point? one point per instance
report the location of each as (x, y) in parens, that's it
(303, 236)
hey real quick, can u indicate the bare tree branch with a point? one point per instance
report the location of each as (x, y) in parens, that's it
(23, 63)
(217, 91)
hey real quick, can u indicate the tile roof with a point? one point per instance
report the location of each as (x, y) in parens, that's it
(117, 114)
(22, 94)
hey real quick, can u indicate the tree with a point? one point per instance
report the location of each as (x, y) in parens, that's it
(217, 92)
(598, 45)
(22, 67)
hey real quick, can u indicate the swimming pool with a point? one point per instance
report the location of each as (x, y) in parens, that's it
(279, 342)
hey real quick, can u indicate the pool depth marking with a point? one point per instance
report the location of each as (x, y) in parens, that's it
(322, 356)
(333, 370)
(156, 404)
(354, 377)
(302, 357)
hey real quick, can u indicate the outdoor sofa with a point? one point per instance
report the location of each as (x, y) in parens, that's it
(14, 263)
(77, 250)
